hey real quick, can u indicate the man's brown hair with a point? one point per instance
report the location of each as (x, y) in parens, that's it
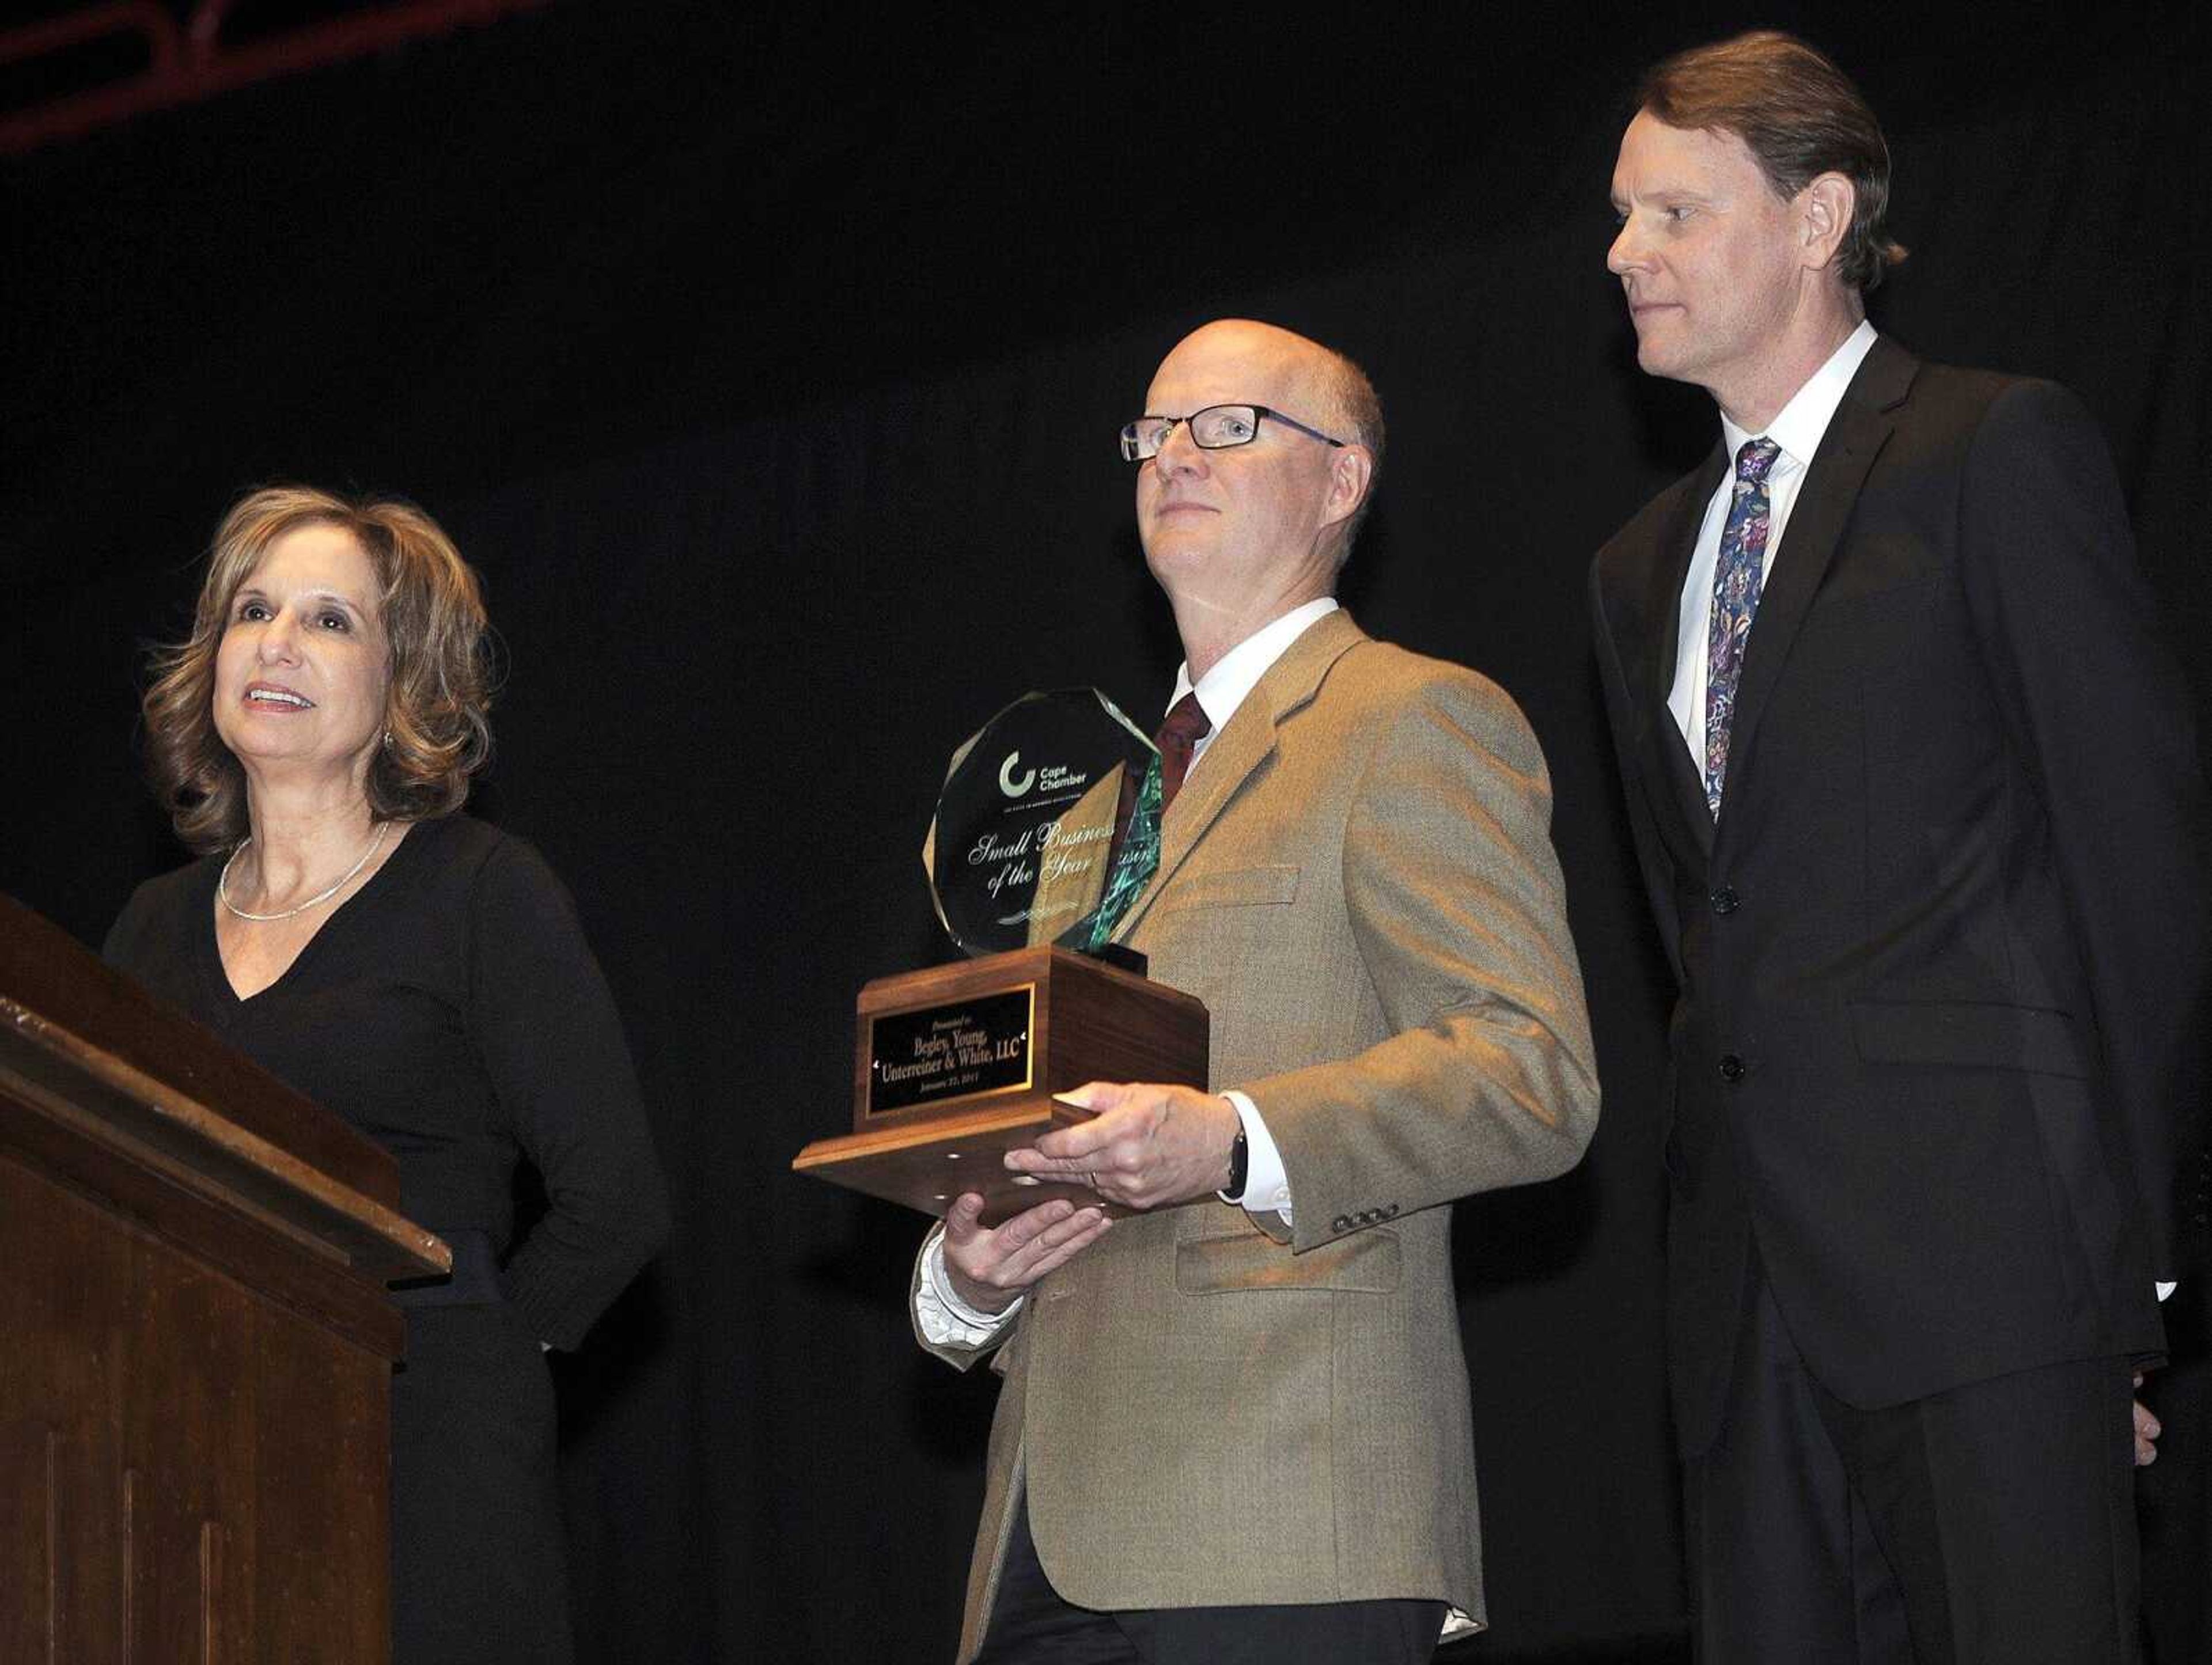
(1800, 116)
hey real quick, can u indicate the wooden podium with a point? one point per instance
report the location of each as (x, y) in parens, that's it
(195, 1343)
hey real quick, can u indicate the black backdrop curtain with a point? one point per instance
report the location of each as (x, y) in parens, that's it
(770, 374)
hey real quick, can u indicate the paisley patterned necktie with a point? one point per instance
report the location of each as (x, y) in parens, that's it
(1736, 577)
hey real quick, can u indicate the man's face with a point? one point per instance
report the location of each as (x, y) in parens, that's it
(1239, 529)
(1707, 253)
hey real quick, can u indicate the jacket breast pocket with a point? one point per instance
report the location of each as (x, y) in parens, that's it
(1367, 1262)
(1240, 887)
(1974, 1035)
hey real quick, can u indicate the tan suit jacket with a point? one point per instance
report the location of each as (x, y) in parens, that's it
(1358, 881)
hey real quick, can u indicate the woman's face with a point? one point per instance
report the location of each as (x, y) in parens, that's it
(301, 673)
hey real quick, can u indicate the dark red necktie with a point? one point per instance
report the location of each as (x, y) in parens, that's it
(1187, 724)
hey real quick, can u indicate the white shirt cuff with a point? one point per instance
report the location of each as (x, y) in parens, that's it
(2165, 1290)
(1267, 1186)
(946, 1320)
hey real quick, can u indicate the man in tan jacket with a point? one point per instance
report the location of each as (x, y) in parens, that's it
(1238, 1430)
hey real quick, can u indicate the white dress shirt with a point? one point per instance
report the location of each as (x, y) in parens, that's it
(1798, 429)
(946, 1319)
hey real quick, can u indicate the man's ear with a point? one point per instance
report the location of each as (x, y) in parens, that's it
(1351, 471)
(1824, 209)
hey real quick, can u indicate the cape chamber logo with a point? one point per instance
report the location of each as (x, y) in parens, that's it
(1018, 782)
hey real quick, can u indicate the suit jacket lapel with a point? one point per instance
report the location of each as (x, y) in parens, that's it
(1678, 793)
(1241, 747)
(1855, 437)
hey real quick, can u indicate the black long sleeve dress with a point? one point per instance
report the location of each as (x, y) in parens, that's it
(452, 1010)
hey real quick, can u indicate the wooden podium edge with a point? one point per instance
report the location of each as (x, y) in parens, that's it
(153, 1125)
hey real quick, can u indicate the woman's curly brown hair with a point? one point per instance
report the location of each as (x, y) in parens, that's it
(437, 733)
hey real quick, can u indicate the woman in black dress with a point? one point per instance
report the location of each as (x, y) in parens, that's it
(422, 976)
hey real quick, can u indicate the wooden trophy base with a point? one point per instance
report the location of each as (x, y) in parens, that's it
(956, 1065)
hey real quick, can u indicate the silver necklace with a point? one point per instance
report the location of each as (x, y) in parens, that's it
(222, 881)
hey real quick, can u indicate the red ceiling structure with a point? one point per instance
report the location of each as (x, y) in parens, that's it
(169, 59)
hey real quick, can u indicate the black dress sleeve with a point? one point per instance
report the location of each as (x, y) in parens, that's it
(125, 947)
(546, 1025)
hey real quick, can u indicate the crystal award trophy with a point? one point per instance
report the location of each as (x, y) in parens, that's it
(1047, 830)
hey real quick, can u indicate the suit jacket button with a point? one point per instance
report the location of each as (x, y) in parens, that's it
(1724, 899)
(1341, 1223)
(1731, 1067)
(1391, 1212)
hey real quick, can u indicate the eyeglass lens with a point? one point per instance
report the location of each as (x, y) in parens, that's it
(1214, 429)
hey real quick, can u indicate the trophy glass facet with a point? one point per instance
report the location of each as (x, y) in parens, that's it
(1046, 831)
(1048, 827)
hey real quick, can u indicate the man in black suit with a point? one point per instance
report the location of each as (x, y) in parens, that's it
(1919, 807)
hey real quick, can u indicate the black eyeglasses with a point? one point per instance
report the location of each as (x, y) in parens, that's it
(1217, 427)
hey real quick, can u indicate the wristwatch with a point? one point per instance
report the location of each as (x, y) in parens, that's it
(1240, 1158)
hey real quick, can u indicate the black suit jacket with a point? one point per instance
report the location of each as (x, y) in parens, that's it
(1942, 957)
